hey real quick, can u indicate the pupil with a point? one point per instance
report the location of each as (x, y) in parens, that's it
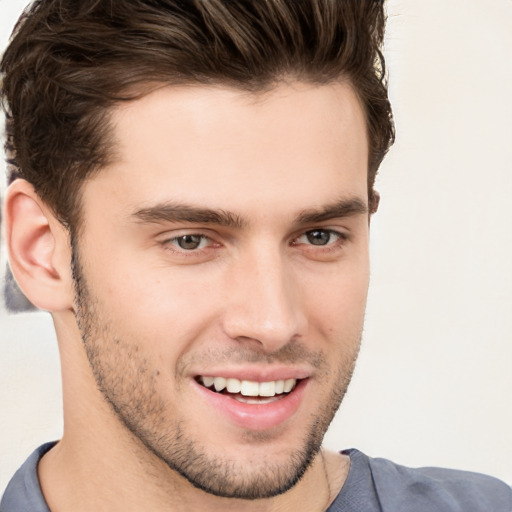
(189, 241)
(318, 237)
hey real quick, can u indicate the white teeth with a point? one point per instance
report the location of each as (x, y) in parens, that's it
(234, 385)
(267, 389)
(288, 385)
(208, 381)
(219, 383)
(249, 387)
(279, 387)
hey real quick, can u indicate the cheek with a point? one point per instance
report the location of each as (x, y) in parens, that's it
(339, 308)
(158, 306)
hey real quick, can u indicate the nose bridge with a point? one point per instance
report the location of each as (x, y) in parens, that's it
(265, 304)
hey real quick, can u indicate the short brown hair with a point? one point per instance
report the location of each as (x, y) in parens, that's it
(70, 62)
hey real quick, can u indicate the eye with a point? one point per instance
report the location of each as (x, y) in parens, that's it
(190, 242)
(189, 247)
(320, 237)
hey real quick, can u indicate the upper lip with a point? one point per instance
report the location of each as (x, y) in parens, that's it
(257, 374)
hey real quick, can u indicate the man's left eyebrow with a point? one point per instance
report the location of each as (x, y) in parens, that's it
(343, 208)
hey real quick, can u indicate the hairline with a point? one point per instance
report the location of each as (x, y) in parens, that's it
(256, 90)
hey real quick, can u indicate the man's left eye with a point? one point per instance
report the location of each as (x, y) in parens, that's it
(319, 237)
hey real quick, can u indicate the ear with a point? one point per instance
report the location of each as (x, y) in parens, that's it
(38, 248)
(374, 201)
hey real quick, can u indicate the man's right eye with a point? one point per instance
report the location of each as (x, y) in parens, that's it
(190, 242)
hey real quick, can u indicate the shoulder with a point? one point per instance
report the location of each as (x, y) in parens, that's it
(23, 491)
(384, 486)
(443, 490)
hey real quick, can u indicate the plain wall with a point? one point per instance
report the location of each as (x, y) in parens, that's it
(434, 379)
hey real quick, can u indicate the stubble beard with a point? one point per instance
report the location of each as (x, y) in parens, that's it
(129, 387)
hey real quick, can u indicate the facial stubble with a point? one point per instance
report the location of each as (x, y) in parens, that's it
(128, 383)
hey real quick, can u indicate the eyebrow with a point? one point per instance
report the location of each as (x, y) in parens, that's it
(343, 208)
(179, 212)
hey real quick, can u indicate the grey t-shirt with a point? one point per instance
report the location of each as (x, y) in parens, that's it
(373, 485)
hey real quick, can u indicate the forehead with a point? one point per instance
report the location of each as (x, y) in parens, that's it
(226, 148)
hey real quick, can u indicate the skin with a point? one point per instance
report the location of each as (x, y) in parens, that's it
(257, 295)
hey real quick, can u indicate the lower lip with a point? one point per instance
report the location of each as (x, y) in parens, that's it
(255, 416)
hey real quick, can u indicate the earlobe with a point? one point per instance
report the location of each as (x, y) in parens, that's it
(38, 249)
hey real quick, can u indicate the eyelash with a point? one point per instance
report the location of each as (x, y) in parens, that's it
(171, 244)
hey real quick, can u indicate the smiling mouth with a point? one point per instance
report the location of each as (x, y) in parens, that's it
(247, 391)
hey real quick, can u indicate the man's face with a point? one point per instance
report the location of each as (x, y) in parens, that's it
(229, 242)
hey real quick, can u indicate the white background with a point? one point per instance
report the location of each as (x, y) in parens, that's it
(434, 379)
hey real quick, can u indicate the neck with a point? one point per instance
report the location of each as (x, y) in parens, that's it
(94, 476)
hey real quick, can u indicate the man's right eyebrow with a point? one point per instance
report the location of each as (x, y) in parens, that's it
(179, 212)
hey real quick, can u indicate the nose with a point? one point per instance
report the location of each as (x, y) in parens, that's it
(264, 303)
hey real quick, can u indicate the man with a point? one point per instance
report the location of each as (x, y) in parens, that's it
(191, 189)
